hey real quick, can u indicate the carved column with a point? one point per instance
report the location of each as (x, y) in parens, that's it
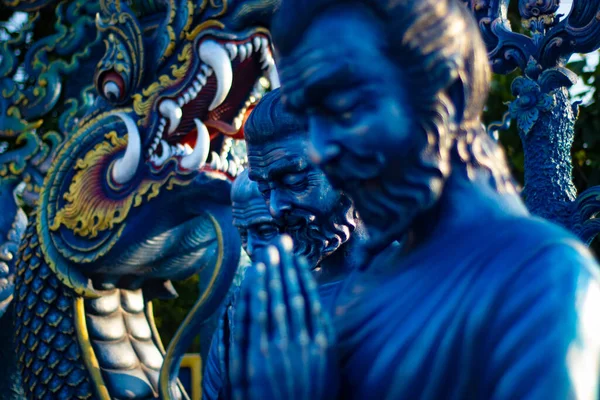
(542, 108)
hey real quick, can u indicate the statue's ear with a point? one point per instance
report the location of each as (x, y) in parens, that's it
(457, 94)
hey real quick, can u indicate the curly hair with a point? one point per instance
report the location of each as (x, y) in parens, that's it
(269, 121)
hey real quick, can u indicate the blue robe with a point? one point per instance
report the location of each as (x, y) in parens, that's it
(505, 311)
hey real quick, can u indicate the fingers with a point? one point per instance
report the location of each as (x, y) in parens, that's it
(321, 330)
(294, 295)
(258, 312)
(239, 345)
(277, 306)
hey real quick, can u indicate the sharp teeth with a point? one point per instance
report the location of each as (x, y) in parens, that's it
(186, 98)
(266, 64)
(216, 161)
(166, 153)
(248, 49)
(273, 76)
(224, 163)
(237, 123)
(172, 112)
(187, 149)
(232, 50)
(242, 52)
(162, 123)
(265, 44)
(257, 43)
(180, 102)
(216, 57)
(193, 93)
(197, 86)
(202, 79)
(206, 70)
(232, 170)
(197, 159)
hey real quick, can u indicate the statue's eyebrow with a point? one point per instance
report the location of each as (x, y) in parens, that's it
(281, 169)
(327, 78)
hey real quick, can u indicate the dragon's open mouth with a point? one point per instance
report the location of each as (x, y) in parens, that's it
(232, 76)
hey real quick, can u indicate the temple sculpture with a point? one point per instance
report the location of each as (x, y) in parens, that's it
(463, 293)
(251, 216)
(542, 108)
(299, 199)
(135, 196)
(371, 243)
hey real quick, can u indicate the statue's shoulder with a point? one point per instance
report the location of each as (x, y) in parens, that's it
(529, 240)
(538, 256)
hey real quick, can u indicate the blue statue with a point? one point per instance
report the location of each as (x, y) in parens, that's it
(295, 195)
(320, 219)
(251, 216)
(130, 200)
(12, 225)
(542, 107)
(481, 300)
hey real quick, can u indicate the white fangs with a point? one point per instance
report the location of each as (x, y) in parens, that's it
(125, 167)
(172, 112)
(197, 159)
(273, 77)
(216, 57)
(166, 153)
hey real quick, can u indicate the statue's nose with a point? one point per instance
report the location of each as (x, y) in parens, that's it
(278, 206)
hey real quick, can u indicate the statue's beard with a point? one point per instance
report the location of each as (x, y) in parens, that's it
(316, 239)
(388, 197)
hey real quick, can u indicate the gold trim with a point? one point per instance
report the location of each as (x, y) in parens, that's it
(211, 23)
(164, 388)
(153, 329)
(193, 361)
(87, 352)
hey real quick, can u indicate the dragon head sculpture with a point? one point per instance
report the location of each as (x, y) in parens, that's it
(140, 191)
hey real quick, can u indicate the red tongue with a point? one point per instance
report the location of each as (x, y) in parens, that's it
(221, 127)
(217, 127)
(227, 129)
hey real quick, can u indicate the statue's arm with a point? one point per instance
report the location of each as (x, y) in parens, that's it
(544, 342)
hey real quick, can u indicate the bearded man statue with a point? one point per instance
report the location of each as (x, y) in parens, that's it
(283, 188)
(483, 301)
(251, 216)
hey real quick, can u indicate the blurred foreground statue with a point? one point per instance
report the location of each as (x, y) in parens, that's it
(482, 300)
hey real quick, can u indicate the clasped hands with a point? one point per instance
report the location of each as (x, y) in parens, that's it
(283, 341)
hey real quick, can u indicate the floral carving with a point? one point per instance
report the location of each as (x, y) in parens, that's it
(529, 102)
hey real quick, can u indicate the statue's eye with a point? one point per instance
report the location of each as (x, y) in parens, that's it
(113, 86)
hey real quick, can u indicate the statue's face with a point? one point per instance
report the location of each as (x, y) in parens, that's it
(254, 223)
(360, 126)
(299, 197)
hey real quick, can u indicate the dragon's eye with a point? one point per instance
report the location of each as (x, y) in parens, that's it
(113, 86)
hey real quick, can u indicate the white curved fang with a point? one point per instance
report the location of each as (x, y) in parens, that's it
(217, 58)
(126, 166)
(197, 159)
